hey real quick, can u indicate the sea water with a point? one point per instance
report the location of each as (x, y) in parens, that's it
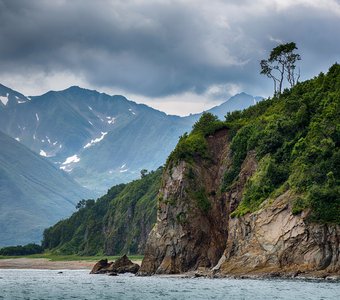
(79, 284)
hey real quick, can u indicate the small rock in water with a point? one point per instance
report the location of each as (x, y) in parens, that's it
(101, 267)
(121, 265)
(60, 272)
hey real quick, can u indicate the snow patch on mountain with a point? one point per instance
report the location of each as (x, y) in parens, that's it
(131, 111)
(19, 100)
(4, 99)
(66, 168)
(96, 140)
(43, 153)
(110, 120)
(71, 159)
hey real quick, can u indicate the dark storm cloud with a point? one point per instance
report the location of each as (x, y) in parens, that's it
(159, 48)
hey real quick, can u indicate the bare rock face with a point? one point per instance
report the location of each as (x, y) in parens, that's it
(273, 240)
(192, 215)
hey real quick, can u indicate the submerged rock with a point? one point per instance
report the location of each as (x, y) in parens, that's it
(121, 265)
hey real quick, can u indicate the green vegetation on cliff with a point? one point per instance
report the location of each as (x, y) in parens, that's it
(194, 144)
(296, 138)
(116, 223)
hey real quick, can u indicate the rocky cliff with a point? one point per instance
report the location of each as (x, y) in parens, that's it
(275, 241)
(258, 194)
(190, 236)
(192, 215)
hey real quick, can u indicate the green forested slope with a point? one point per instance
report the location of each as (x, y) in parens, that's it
(296, 138)
(116, 223)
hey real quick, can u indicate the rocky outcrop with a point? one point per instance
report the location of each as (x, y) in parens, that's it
(101, 267)
(121, 265)
(192, 215)
(273, 240)
(195, 230)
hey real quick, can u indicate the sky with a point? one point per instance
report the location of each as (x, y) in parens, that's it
(179, 56)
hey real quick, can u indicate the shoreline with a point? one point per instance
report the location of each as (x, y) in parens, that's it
(47, 264)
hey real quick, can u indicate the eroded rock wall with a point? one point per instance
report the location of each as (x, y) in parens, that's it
(274, 240)
(191, 229)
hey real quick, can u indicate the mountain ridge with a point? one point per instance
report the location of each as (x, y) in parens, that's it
(33, 193)
(73, 126)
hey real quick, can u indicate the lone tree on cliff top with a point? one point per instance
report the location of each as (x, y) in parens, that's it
(281, 65)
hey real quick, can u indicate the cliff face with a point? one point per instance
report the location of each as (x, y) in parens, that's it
(191, 229)
(274, 240)
(271, 240)
(265, 190)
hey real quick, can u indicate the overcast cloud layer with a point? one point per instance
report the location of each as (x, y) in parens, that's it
(179, 56)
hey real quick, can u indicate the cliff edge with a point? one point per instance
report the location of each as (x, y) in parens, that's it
(257, 194)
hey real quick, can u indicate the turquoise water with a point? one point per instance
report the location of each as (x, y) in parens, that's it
(78, 284)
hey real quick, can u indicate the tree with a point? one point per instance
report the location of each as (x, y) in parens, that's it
(81, 204)
(281, 65)
(143, 173)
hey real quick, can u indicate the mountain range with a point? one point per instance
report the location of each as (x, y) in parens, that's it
(64, 146)
(99, 140)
